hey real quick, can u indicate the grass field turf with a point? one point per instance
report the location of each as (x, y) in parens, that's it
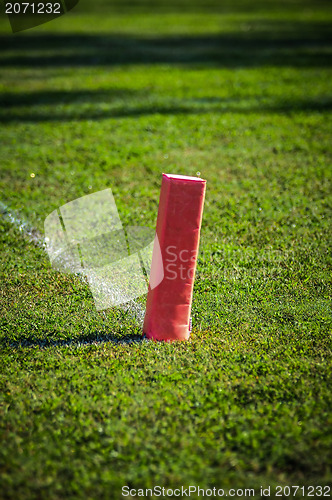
(242, 93)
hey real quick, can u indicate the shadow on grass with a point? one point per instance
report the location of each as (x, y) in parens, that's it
(84, 340)
(259, 43)
(57, 106)
(55, 97)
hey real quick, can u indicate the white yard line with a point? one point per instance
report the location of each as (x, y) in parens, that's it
(27, 231)
(134, 309)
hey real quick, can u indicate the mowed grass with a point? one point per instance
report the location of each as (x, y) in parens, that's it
(240, 92)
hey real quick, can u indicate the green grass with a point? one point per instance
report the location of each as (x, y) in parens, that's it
(240, 91)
